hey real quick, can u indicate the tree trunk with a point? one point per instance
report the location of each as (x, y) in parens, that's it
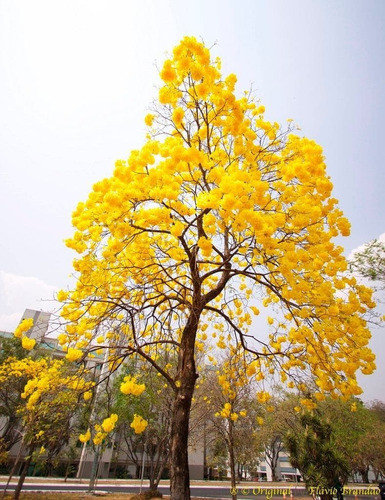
(364, 472)
(232, 463)
(23, 474)
(179, 467)
(326, 497)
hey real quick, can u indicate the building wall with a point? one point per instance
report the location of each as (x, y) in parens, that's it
(40, 323)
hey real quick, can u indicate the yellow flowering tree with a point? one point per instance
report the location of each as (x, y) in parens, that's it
(144, 421)
(220, 213)
(51, 400)
(10, 392)
(230, 395)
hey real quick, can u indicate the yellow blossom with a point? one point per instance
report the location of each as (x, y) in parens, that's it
(130, 386)
(138, 424)
(148, 120)
(84, 438)
(87, 395)
(74, 354)
(28, 343)
(109, 423)
(23, 327)
(62, 295)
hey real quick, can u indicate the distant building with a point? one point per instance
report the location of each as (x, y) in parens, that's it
(41, 323)
(284, 470)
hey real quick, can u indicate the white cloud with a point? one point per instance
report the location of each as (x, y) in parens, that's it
(18, 293)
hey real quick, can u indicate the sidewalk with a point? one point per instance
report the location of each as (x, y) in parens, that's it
(163, 482)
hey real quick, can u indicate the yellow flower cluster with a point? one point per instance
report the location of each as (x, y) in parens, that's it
(84, 438)
(139, 424)
(108, 424)
(219, 206)
(49, 376)
(100, 431)
(73, 354)
(26, 367)
(28, 343)
(23, 327)
(227, 413)
(130, 386)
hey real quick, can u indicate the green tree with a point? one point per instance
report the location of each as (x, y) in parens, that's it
(368, 450)
(276, 419)
(356, 428)
(370, 262)
(315, 453)
(218, 207)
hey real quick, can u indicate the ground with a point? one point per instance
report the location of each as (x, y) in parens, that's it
(72, 496)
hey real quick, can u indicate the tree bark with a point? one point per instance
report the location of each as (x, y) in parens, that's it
(23, 474)
(232, 462)
(179, 466)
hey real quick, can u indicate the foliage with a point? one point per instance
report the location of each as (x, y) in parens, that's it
(11, 348)
(51, 392)
(154, 406)
(368, 452)
(273, 423)
(370, 262)
(10, 392)
(231, 419)
(219, 207)
(314, 452)
(344, 436)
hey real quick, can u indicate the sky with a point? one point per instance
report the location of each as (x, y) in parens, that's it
(77, 78)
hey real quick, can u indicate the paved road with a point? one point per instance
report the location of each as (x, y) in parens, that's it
(208, 491)
(220, 492)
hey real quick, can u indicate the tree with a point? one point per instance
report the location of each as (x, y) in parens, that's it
(368, 450)
(346, 438)
(315, 454)
(154, 406)
(10, 393)
(370, 262)
(52, 389)
(275, 421)
(232, 423)
(218, 209)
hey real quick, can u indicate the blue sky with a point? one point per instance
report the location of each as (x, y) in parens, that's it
(77, 78)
